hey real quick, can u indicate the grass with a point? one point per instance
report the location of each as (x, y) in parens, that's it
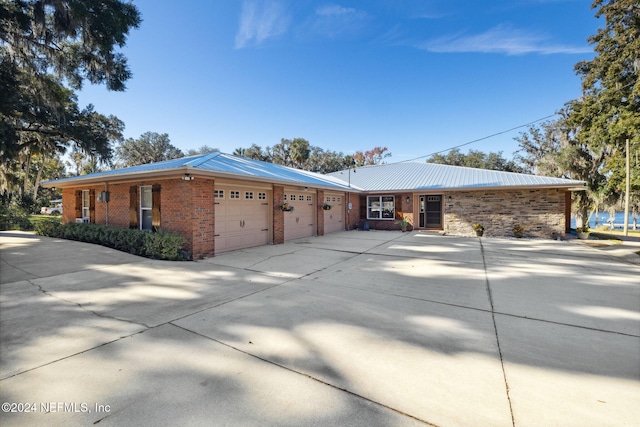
(35, 219)
(632, 233)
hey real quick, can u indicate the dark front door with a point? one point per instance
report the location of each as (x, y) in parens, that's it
(431, 211)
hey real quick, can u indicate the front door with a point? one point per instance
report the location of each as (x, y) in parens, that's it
(431, 212)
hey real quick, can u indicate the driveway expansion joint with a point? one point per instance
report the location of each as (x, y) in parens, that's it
(495, 328)
(82, 307)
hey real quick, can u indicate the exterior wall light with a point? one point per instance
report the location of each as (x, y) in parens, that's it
(187, 177)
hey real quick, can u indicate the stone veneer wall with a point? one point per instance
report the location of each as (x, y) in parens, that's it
(540, 211)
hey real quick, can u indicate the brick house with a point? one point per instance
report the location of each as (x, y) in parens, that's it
(452, 198)
(220, 202)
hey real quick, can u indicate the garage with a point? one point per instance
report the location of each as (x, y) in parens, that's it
(242, 217)
(301, 221)
(334, 217)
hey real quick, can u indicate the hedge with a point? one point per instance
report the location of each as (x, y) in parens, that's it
(157, 245)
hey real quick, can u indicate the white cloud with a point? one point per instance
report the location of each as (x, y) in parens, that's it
(259, 21)
(501, 39)
(335, 20)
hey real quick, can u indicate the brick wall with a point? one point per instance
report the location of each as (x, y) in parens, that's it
(353, 214)
(540, 211)
(186, 208)
(319, 213)
(278, 215)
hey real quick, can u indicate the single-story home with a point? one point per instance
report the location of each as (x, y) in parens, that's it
(220, 202)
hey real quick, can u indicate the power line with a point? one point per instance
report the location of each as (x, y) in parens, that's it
(480, 139)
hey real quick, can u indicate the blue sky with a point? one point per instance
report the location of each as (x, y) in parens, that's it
(415, 76)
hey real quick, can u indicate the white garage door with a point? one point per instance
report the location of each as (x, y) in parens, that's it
(300, 222)
(334, 217)
(242, 218)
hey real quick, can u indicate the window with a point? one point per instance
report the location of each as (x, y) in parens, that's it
(86, 204)
(234, 194)
(218, 194)
(380, 207)
(285, 197)
(262, 196)
(146, 206)
(248, 195)
(309, 199)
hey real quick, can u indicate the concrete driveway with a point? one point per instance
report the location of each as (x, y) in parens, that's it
(353, 328)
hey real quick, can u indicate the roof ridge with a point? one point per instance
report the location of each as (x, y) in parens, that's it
(203, 158)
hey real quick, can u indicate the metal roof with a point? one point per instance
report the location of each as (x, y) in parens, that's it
(414, 176)
(212, 164)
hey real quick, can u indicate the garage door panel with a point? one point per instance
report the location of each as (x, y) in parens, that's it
(301, 222)
(241, 221)
(334, 218)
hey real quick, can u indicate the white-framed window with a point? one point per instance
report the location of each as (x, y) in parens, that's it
(218, 194)
(309, 198)
(262, 196)
(327, 199)
(381, 207)
(248, 195)
(234, 194)
(86, 204)
(284, 197)
(146, 207)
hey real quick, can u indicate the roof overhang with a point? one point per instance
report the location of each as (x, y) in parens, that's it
(179, 172)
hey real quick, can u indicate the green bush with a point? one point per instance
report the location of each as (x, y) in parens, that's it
(49, 227)
(159, 245)
(14, 212)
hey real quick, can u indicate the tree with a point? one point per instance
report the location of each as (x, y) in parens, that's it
(375, 156)
(205, 149)
(45, 45)
(150, 147)
(476, 159)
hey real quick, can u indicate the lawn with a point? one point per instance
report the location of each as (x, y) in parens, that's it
(34, 219)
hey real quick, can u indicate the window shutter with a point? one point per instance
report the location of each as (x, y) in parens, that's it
(155, 207)
(133, 207)
(79, 204)
(92, 206)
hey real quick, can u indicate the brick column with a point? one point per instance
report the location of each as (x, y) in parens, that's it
(278, 215)
(319, 213)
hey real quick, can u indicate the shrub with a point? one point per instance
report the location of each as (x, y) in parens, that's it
(49, 227)
(158, 245)
(14, 212)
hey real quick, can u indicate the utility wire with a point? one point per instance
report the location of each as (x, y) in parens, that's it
(480, 139)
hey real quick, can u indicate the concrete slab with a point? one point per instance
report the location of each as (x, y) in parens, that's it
(346, 329)
(415, 356)
(288, 261)
(570, 376)
(37, 329)
(154, 292)
(435, 280)
(564, 283)
(27, 256)
(169, 376)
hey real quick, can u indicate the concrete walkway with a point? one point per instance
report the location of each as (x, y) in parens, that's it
(353, 328)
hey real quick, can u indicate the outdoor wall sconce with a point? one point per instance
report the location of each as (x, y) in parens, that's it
(187, 177)
(407, 200)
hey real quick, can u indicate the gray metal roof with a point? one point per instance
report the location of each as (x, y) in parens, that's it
(213, 164)
(413, 176)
